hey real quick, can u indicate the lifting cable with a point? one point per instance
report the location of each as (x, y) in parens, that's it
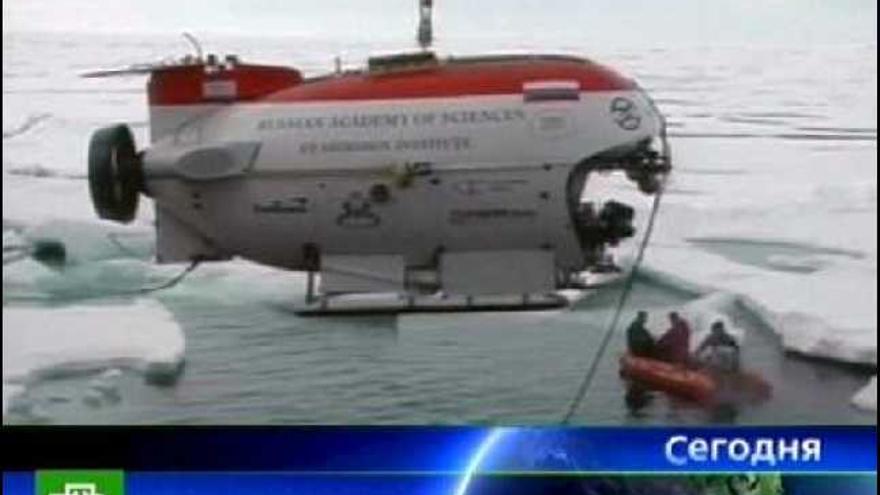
(169, 283)
(194, 263)
(630, 279)
(621, 303)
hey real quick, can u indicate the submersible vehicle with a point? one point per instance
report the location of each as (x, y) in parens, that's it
(447, 182)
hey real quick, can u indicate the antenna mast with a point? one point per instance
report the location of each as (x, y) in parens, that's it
(425, 34)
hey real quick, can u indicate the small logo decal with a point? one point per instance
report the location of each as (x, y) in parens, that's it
(625, 113)
(476, 187)
(357, 213)
(287, 205)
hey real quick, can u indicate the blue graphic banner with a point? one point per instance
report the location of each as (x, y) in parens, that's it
(450, 450)
(261, 483)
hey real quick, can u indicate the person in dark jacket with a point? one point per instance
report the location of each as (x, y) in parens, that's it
(719, 350)
(674, 345)
(639, 340)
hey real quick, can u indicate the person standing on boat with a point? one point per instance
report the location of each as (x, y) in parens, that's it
(719, 350)
(639, 341)
(674, 345)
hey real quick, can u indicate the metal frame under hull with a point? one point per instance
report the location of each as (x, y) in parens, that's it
(394, 304)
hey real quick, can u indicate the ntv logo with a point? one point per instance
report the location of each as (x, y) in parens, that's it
(80, 482)
(79, 489)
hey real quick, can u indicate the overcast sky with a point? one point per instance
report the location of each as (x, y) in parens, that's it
(647, 21)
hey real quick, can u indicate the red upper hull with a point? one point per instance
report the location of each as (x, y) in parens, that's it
(488, 76)
(457, 79)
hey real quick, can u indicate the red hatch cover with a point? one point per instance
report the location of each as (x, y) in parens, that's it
(197, 84)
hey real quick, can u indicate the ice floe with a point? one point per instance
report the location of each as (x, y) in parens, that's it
(867, 397)
(45, 341)
(30, 122)
(827, 312)
(29, 200)
(811, 278)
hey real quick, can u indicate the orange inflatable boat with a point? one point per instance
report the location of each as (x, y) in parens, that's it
(694, 384)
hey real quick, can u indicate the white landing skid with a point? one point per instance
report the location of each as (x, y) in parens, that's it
(392, 303)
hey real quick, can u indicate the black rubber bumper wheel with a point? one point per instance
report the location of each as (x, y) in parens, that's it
(114, 173)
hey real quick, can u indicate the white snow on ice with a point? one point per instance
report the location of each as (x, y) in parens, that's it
(57, 341)
(804, 262)
(867, 397)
